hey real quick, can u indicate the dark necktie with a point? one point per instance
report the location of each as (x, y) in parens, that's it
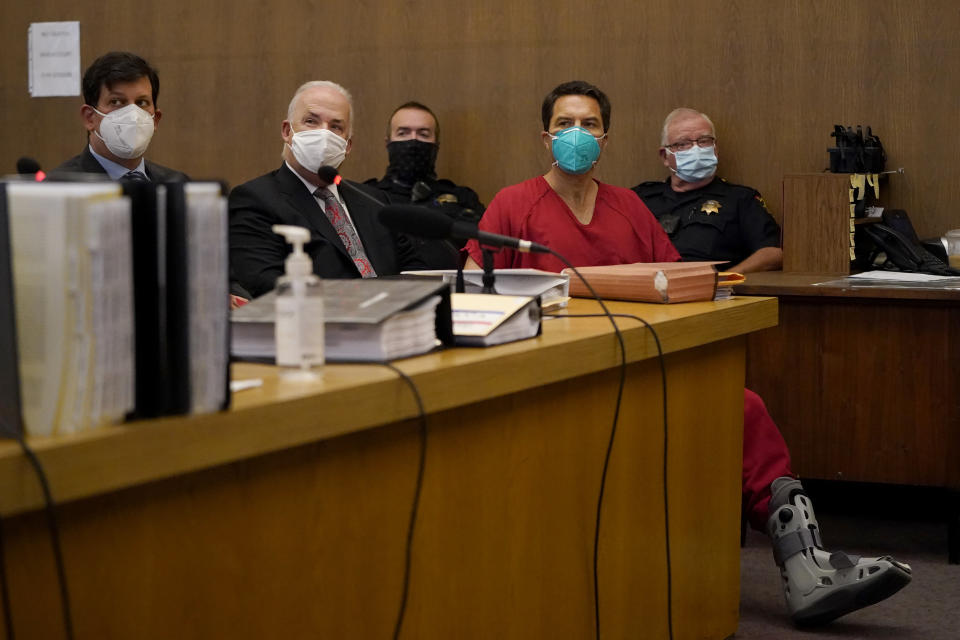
(346, 231)
(133, 176)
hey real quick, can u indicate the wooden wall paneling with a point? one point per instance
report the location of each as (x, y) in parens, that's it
(816, 223)
(774, 76)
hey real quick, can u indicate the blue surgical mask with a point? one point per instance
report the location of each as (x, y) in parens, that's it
(575, 150)
(695, 164)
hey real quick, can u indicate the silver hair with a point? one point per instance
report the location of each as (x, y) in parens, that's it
(683, 112)
(321, 83)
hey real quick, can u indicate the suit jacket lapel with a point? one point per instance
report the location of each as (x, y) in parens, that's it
(304, 203)
(152, 172)
(88, 163)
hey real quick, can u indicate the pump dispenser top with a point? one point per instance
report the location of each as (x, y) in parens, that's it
(298, 263)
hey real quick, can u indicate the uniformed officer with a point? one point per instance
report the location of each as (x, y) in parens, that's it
(413, 139)
(706, 217)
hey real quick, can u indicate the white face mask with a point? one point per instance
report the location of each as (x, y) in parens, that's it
(126, 131)
(695, 164)
(314, 148)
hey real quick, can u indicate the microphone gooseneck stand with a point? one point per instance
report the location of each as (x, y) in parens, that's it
(488, 277)
(461, 286)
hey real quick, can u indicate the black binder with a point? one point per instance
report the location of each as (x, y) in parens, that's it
(176, 386)
(11, 418)
(161, 300)
(149, 304)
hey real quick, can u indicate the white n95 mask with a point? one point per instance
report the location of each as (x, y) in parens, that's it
(315, 148)
(126, 131)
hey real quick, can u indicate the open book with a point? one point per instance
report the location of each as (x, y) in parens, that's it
(648, 281)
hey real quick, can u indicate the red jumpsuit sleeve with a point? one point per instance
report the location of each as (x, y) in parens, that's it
(661, 248)
(495, 220)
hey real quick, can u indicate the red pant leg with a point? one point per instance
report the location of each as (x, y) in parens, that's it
(765, 458)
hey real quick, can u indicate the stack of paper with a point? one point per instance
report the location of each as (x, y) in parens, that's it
(364, 320)
(208, 282)
(553, 288)
(73, 295)
(405, 333)
(726, 281)
(483, 320)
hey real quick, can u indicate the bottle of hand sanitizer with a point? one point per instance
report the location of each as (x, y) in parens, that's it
(299, 313)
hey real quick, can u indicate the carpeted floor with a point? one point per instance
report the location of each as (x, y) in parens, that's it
(928, 608)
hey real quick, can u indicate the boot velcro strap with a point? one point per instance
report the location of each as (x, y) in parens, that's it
(790, 544)
(841, 560)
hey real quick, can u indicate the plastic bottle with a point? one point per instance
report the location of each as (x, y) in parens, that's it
(299, 312)
(952, 241)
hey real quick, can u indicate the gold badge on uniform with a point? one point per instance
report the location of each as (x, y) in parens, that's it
(444, 198)
(710, 206)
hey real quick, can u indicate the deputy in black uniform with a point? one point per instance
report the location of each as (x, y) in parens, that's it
(708, 218)
(413, 139)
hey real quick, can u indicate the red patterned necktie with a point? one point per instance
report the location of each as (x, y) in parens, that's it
(346, 231)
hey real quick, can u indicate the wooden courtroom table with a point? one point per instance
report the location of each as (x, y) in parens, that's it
(863, 381)
(286, 516)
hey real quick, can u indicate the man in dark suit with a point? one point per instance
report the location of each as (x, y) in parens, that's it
(120, 114)
(347, 240)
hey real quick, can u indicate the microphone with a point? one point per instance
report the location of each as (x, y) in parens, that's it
(29, 166)
(330, 175)
(423, 222)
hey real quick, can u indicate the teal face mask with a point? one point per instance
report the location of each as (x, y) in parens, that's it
(575, 150)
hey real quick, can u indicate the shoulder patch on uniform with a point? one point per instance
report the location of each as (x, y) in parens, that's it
(445, 198)
(759, 198)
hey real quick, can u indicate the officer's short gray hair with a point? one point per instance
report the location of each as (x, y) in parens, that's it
(683, 112)
(321, 83)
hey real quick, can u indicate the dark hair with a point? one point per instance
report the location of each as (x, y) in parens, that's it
(413, 104)
(114, 67)
(575, 88)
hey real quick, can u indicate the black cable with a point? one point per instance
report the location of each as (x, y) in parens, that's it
(408, 551)
(4, 590)
(666, 503)
(613, 435)
(54, 528)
